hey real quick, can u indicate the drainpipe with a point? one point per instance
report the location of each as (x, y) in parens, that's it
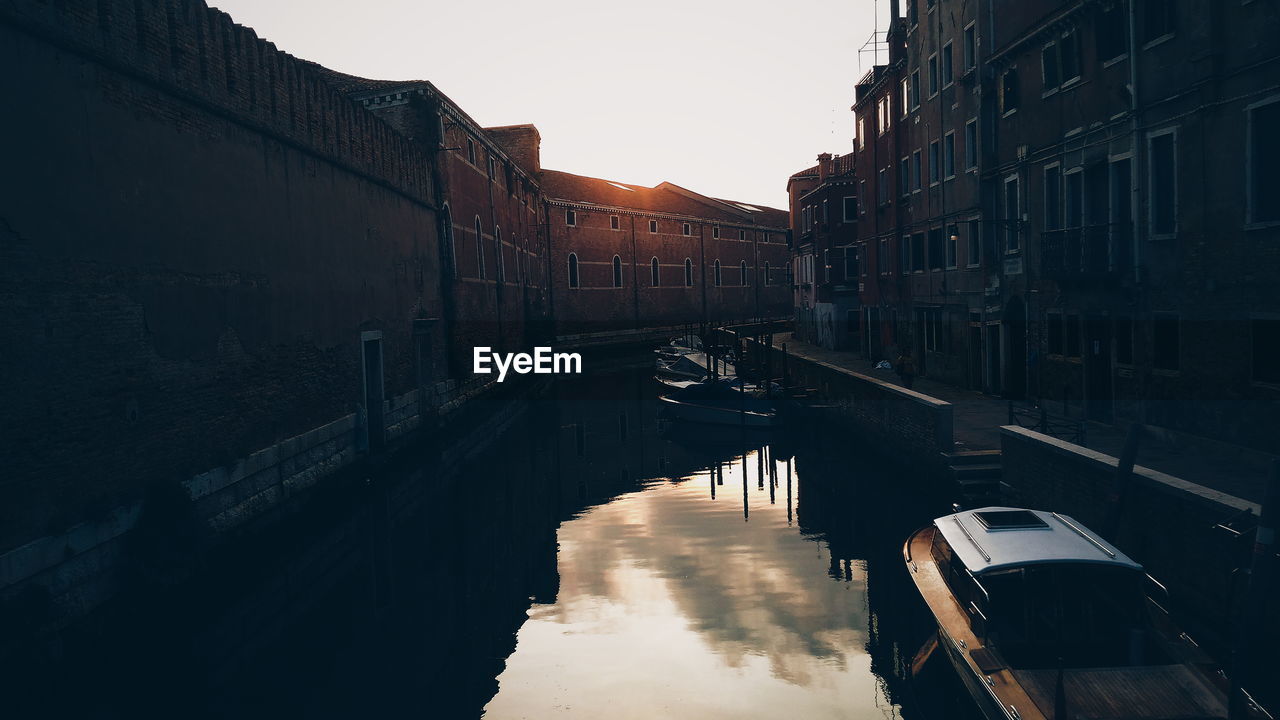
(1135, 176)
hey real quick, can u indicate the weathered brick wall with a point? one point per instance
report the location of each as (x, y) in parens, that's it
(597, 306)
(194, 234)
(1167, 523)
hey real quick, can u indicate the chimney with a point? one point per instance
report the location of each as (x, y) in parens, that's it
(523, 143)
(824, 166)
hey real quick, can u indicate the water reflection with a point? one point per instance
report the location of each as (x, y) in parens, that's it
(566, 558)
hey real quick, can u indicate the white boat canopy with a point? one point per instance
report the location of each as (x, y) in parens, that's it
(1000, 538)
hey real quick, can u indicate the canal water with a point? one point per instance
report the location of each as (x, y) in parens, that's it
(569, 557)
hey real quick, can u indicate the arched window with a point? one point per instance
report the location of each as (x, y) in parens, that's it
(573, 270)
(497, 252)
(767, 280)
(653, 271)
(479, 249)
(446, 234)
(717, 273)
(688, 272)
(742, 272)
(617, 271)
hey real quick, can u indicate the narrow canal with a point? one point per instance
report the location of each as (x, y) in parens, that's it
(571, 559)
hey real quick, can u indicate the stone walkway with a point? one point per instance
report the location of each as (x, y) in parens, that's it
(978, 417)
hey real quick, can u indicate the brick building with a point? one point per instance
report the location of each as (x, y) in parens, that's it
(1068, 205)
(824, 200)
(629, 256)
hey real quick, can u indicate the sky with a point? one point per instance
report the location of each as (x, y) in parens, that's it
(724, 97)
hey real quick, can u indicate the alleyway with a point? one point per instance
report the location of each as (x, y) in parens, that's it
(1221, 467)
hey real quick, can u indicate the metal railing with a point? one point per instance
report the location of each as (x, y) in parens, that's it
(1092, 252)
(1038, 418)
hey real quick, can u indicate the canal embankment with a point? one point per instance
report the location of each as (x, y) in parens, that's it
(1193, 532)
(72, 572)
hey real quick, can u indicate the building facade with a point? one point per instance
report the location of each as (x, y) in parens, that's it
(1067, 202)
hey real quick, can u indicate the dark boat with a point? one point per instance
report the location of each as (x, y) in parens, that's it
(1042, 619)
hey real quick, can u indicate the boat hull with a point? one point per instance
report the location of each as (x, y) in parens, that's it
(711, 414)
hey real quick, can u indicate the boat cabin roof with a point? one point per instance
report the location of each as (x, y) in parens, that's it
(1000, 538)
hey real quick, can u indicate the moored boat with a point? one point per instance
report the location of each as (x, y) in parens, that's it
(1042, 619)
(724, 401)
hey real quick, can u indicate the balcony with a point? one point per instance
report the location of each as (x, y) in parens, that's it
(1093, 255)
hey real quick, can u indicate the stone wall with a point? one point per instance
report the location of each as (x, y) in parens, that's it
(913, 428)
(1167, 524)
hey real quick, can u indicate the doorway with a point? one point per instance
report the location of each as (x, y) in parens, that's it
(1015, 349)
(1097, 367)
(373, 395)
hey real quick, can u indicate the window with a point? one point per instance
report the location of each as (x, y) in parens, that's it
(688, 272)
(768, 279)
(653, 226)
(882, 257)
(971, 145)
(1049, 67)
(497, 253)
(1009, 91)
(685, 229)
(935, 166)
(471, 151)
(882, 186)
(913, 15)
(571, 218)
(479, 249)
(1157, 19)
(953, 246)
(915, 170)
(1124, 340)
(617, 271)
(904, 176)
(915, 89)
(850, 206)
(1113, 32)
(1053, 198)
(1263, 162)
(949, 155)
(1265, 336)
(1071, 328)
(852, 262)
(653, 272)
(742, 274)
(1069, 57)
(1055, 333)
(1163, 182)
(489, 166)
(1012, 217)
(1165, 343)
(937, 249)
(742, 234)
(970, 47)
(717, 273)
(933, 75)
(613, 222)
(573, 270)
(826, 266)
(715, 232)
(1074, 200)
(947, 70)
(885, 114)
(862, 133)
(906, 95)
(824, 214)
(973, 243)
(917, 252)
